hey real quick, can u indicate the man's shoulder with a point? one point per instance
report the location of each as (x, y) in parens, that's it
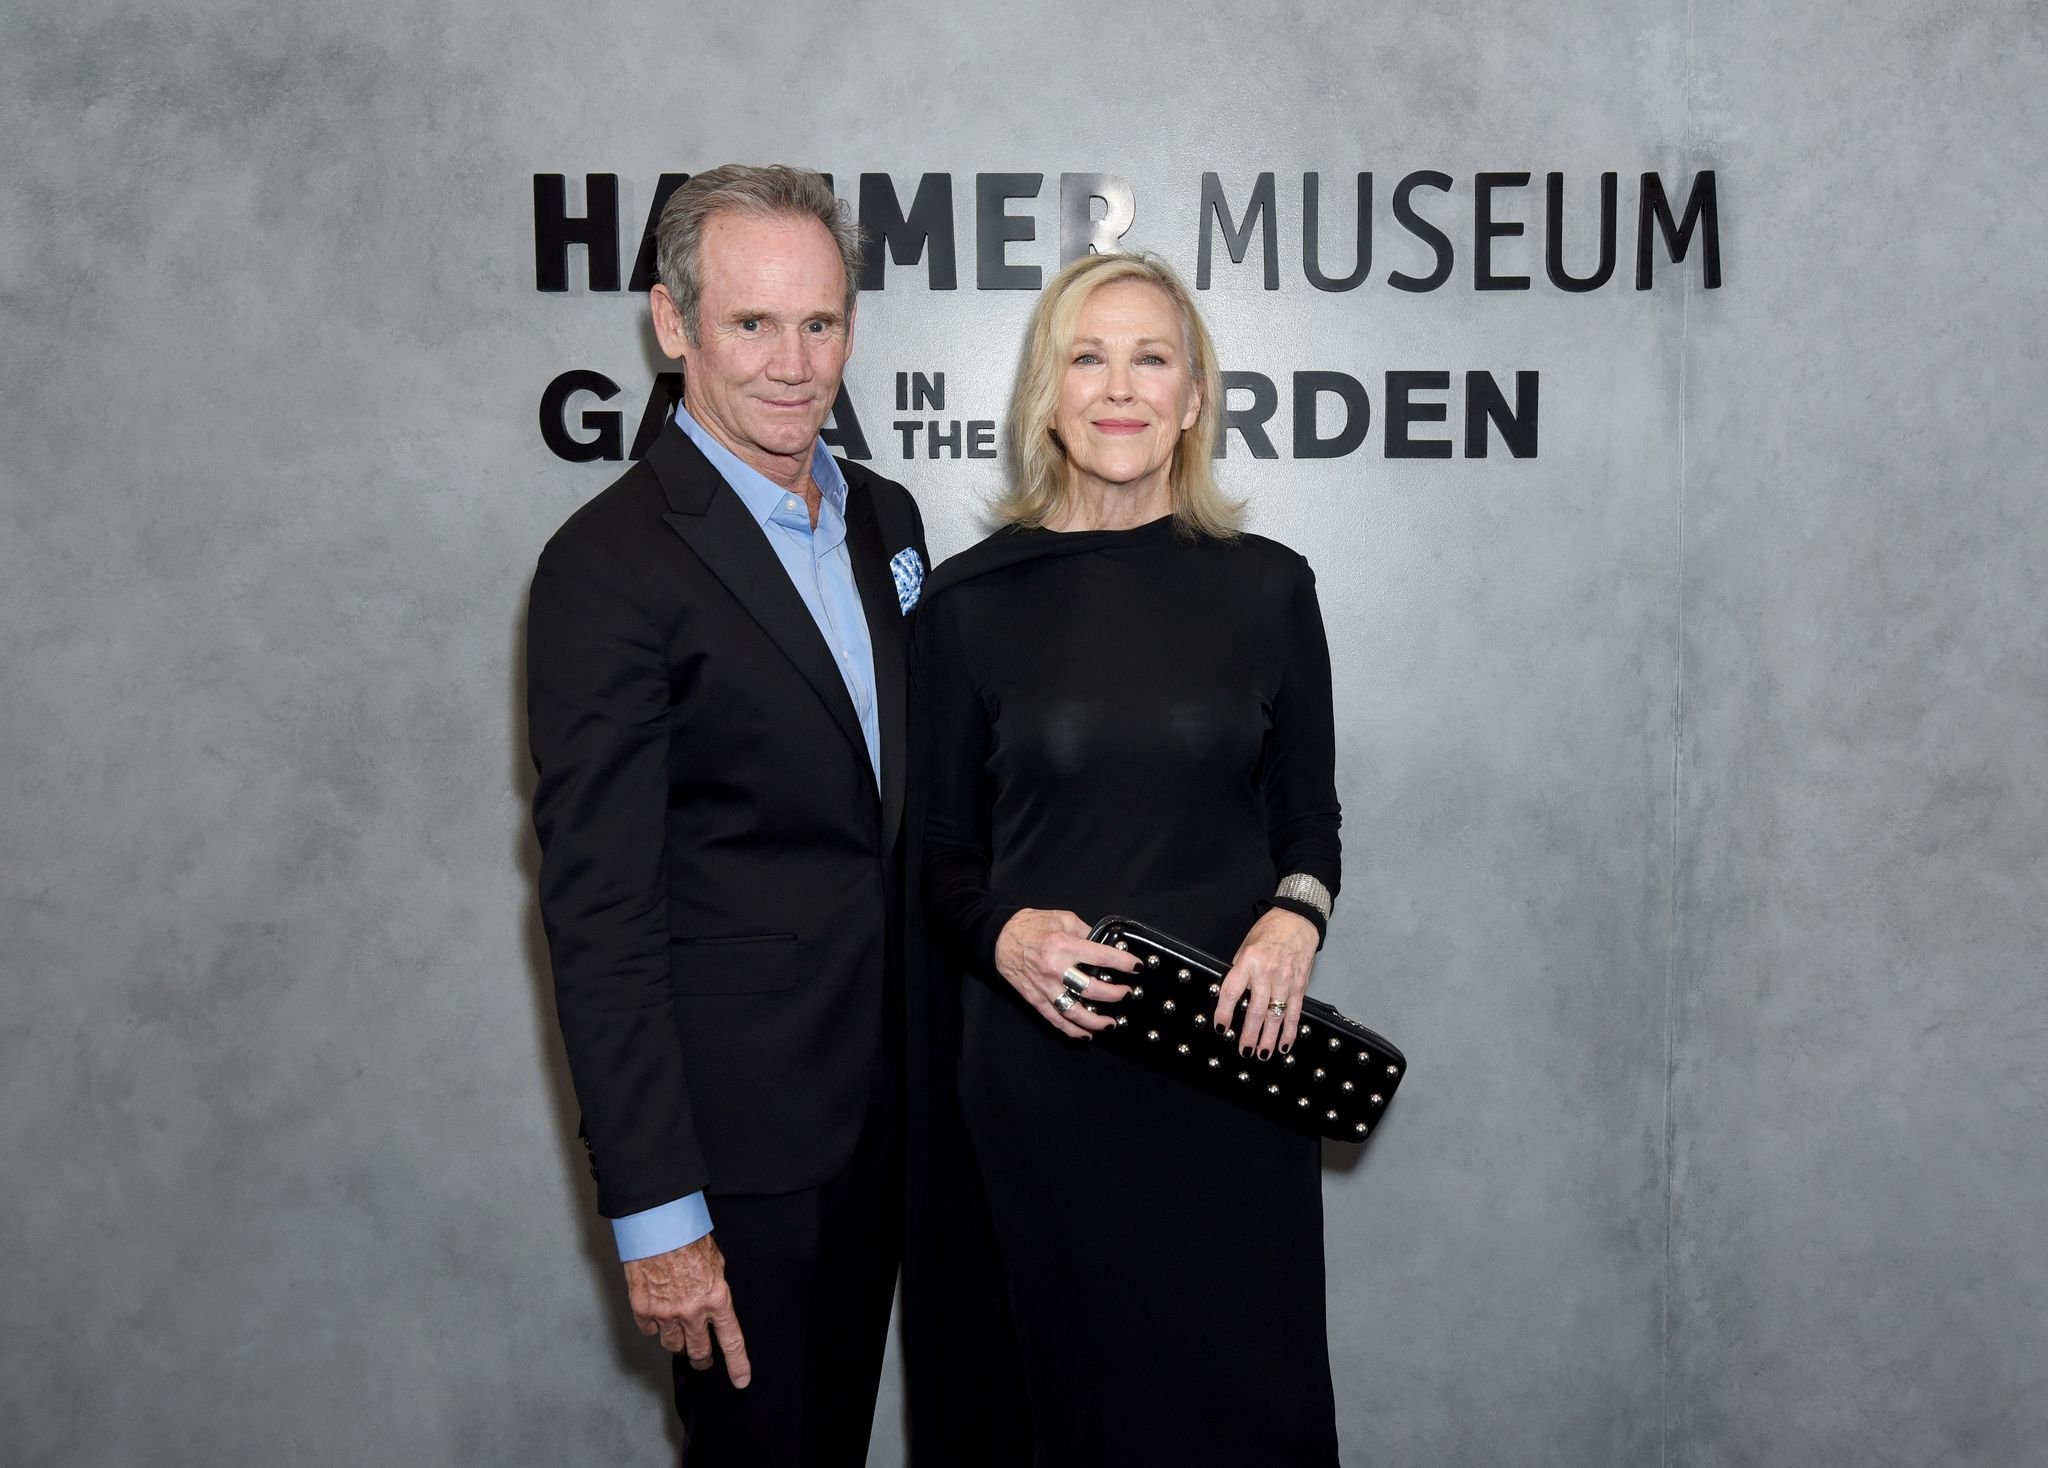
(615, 519)
(860, 476)
(892, 500)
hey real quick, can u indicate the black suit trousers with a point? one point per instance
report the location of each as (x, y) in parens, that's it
(813, 1276)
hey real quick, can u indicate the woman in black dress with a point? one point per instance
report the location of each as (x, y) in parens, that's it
(1129, 707)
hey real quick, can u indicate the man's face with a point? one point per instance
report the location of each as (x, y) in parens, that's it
(772, 337)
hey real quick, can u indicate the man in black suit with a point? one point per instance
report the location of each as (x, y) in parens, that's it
(716, 664)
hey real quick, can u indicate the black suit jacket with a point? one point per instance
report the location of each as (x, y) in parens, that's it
(720, 878)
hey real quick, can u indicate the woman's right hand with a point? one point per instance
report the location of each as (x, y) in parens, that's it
(1034, 952)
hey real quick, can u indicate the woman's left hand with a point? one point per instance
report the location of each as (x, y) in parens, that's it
(1271, 967)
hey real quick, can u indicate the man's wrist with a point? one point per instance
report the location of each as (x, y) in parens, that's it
(662, 1229)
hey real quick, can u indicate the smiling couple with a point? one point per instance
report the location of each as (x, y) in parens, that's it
(760, 728)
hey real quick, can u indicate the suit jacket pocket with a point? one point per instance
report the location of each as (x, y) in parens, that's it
(748, 965)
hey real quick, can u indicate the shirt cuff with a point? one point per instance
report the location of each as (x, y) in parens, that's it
(658, 1230)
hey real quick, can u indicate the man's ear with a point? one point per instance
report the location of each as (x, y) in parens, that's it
(668, 323)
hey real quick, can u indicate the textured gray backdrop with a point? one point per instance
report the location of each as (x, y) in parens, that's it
(1694, 769)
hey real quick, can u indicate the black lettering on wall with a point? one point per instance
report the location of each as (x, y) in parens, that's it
(927, 392)
(1311, 235)
(1348, 391)
(554, 230)
(842, 430)
(1422, 229)
(981, 438)
(645, 271)
(926, 230)
(1486, 229)
(1485, 403)
(1403, 411)
(1237, 237)
(661, 401)
(1701, 211)
(605, 426)
(995, 228)
(1081, 232)
(1553, 241)
(1251, 421)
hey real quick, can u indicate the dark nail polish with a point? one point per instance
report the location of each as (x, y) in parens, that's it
(1266, 1054)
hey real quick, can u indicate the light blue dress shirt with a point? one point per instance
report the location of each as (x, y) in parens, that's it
(821, 569)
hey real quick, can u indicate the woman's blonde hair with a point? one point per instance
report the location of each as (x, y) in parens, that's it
(1038, 481)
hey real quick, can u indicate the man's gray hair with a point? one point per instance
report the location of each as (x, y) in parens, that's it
(741, 188)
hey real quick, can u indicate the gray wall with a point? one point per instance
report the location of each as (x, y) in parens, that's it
(1694, 768)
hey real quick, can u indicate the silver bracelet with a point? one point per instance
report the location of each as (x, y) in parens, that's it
(1301, 887)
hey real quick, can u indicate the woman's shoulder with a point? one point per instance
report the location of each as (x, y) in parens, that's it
(1268, 563)
(1266, 550)
(1007, 546)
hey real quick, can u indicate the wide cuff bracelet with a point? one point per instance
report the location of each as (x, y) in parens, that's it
(1301, 887)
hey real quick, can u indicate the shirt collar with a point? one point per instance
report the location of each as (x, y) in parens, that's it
(761, 495)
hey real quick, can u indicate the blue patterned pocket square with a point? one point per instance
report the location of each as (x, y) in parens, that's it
(908, 569)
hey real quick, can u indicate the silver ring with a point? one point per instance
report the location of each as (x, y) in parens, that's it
(1074, 979)
(1063, 1002)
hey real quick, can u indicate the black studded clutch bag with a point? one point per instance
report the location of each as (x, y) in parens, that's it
(1335, 1083)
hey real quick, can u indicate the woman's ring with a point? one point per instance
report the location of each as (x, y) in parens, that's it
(1277, 1008)
(1063, 1002)
(1074, 979)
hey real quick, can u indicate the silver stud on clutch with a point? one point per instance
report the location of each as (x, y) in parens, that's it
(1214, 1062)
(1272, 1090)
(1230, 1034)
(1361, 1129)
(1151, 1034)
(1122, 947)
(1305, 1030)
(1335, 1042)
(1244, 1075)
(1215, 988)
(1287, 1060)
(1365, 1057)
(1393, 1070)
(1329, 1116)
(1167, 1005)
(1376, 1100)
(1137, 991)
(1302, 1102)
(1183, 976)
(1151, 960)
(1183, 1049)
(1319, 1072)
(1348, 1087)
(1124, 1019)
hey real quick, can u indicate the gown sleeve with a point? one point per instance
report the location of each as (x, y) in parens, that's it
(1300, 757)
(956, 833)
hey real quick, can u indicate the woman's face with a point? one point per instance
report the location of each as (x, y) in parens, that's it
(1128, 393)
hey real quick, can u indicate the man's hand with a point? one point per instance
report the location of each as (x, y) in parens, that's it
(682, 1297)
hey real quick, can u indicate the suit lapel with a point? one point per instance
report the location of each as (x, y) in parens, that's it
(718, 528)
(877, 587)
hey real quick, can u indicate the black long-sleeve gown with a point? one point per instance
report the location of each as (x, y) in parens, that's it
(1135, 722)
